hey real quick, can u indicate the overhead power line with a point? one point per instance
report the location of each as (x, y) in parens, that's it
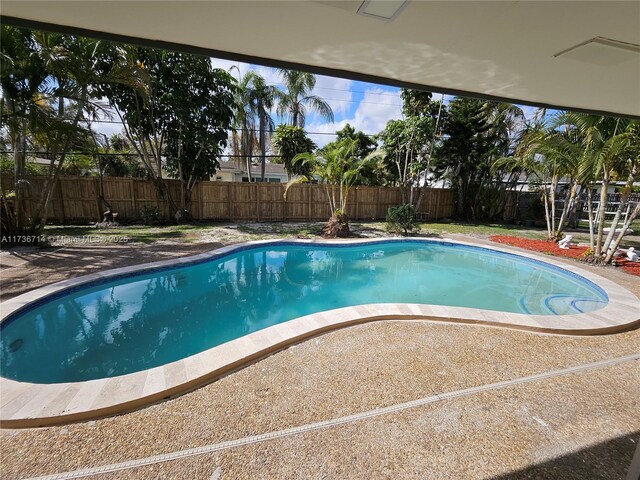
(114, 122)
(124, 154)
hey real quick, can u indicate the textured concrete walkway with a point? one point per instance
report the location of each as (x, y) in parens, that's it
(334, 422)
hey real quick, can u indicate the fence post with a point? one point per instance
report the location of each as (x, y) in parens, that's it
(200, 186)
(97, 187)
(377, 215)
(258, 190)
(310, 201)
(285, 210)
(355, 202)
(134, 206)
(61, 200)
(229, 185)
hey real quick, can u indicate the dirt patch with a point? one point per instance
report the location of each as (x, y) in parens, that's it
(23, 269)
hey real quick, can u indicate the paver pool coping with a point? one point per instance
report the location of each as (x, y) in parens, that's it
(24, 405)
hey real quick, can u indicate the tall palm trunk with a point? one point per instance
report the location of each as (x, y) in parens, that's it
(601, 213)
(552, 204)
(19, 158)
(627, 223)
(263, 144)
(624, 201)
(40, 216)
(567, 209)
(590, 216)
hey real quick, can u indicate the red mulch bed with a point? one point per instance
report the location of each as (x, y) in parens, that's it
(551, 248)
(630, 267)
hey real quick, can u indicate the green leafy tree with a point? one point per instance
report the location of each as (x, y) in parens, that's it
(464, 151)
(201, 101)
(406, 144)
(184, 113)
(584, 150)
(243, 137)
(265, 97)
(290, 141)
(548, 155)
(297, 98)
(365, 145)
(409, 144)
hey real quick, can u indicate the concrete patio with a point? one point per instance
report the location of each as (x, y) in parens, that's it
(583, 424)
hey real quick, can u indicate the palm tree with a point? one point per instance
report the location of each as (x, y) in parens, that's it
(628, 146)
(338, 168)
(264, 97)
(243, 136)
(297, 98)
(548, 155)
(607, 147)
(75, 63)
(24, 80)
(254, 101)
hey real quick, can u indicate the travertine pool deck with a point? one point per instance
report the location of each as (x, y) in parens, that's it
(32, 405)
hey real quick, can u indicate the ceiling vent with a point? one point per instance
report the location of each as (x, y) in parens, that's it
(382, 9)
(602, 51)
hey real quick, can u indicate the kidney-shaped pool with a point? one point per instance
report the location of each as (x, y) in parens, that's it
(144, 320)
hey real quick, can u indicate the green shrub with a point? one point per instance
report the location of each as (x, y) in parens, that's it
(400, 220)
(150, 215)
(7, 167)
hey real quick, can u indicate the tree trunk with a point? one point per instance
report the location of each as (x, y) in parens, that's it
(40, 216)
(591, 219)
(552, 204)
(19, 158)
(567, 209)
(547, 214)
(630, 218)
(624, 201)
(263, 146)
(601, 213)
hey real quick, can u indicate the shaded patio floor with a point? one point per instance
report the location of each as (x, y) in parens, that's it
(577, 426)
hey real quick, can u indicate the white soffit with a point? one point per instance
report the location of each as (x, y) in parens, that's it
(516, 50)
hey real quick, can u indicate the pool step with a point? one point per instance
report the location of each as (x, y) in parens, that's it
(560, 304)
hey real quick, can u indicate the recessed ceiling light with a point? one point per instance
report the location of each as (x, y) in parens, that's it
(382, 9)
(602, 51)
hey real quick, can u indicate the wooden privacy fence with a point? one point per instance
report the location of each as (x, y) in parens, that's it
(75, 199)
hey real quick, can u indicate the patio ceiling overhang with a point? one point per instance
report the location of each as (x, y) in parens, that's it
(518, 51)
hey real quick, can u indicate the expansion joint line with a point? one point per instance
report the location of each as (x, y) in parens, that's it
(216, 447)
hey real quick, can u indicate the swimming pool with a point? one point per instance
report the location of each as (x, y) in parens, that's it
(114, 327)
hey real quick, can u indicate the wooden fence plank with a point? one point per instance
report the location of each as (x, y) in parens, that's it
(76, 200)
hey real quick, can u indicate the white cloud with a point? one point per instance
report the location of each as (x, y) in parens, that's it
(376, 108)
(335, 91)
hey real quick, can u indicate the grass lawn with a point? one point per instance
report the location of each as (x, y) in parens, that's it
(230, 233)
(134, 233)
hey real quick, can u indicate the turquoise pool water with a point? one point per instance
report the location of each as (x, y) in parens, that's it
(147, 320)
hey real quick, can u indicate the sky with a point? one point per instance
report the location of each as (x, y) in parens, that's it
(365, 106)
